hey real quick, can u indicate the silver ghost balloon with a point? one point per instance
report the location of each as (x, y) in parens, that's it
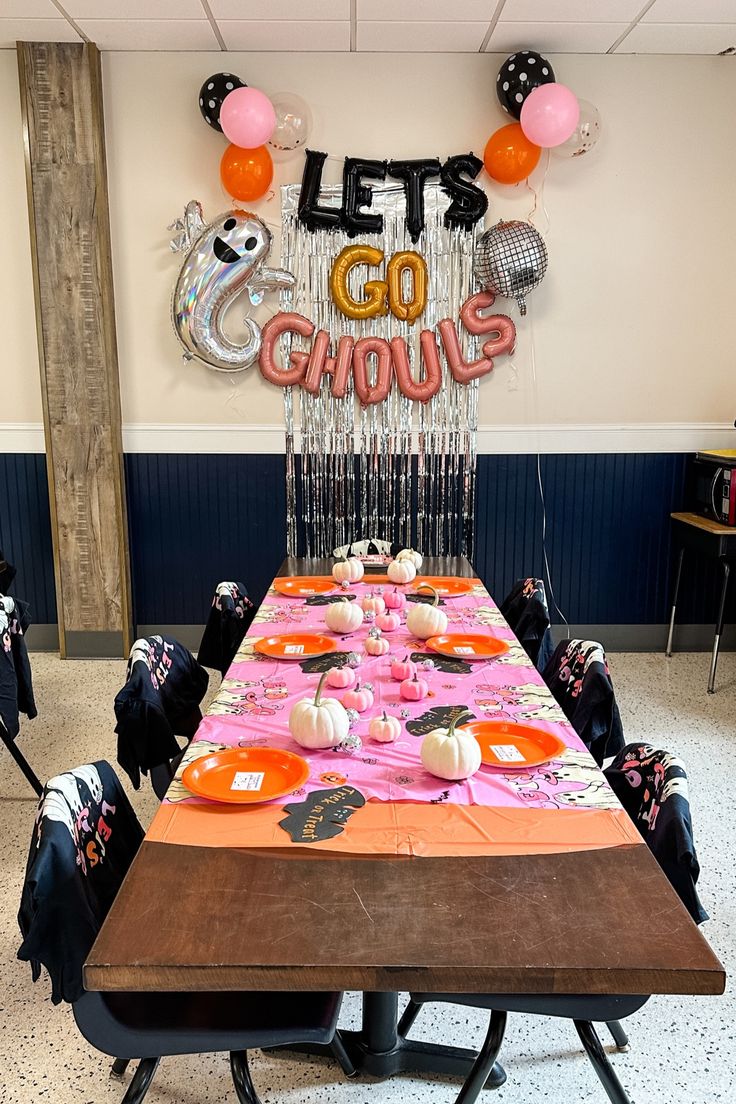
(222, 260)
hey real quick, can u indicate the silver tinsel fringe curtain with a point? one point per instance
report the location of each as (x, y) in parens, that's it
(354, 477)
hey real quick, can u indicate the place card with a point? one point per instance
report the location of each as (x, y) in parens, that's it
(293, 649)
(507, 753)
(465, 649)
(247, 780)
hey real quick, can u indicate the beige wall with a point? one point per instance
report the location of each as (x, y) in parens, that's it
(634, 323)
(21, 388)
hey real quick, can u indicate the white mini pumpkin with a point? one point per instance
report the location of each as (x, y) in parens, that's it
(319, 722)
(450, 753)
(424, 620)
(401, 571)
(348, 571)
(411, 554)
(344, 616)
(385, 729)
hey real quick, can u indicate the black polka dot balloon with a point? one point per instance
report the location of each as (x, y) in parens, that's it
(519, 75)
(213, 92)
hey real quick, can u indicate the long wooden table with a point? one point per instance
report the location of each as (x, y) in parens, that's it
(205, 918)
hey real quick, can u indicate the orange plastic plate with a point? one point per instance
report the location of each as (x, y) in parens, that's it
(375, 580)
(447, 586)
(513, 746)
(303, 586)
(245, 776)
(296, 645)
(468, 646)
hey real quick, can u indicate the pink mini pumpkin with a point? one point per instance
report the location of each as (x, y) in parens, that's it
(413, 689)
(395, 599)
(385, 729)
(403, 669)
(372, 603)
(359, 699)
(388, 621)
(377, 645)
(340, 677)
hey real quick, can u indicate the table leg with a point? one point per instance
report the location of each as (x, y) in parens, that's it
(678, 574)
(719, 628)
(20, 759)
(379, 1050)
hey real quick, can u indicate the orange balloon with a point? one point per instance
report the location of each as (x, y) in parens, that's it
(246, 173)
(509, 156)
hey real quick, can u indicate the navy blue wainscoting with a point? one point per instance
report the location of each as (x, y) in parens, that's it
(196, 520)
(25, 531)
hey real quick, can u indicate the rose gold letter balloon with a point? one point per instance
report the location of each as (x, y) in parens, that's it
(379, 391)
(430, 385)
(476, 323)
(339, 366)
(462, 371)
(376, 290)
(279, 324)
(399, 263)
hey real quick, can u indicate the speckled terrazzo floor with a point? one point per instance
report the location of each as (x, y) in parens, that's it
(683, 1049)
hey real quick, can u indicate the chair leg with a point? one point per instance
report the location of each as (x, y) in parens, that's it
(485, 1061)
(678, 576)
(606, 1075)
(244, 1088)
(406, 1022)
(719, 628)
(20, 759)
(620, 1038)
(342, 1057)
(119, 1067)
(141, 1082)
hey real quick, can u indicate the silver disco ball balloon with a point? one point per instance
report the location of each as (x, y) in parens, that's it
(510, 260)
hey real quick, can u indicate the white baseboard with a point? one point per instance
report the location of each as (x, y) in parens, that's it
(661, 437)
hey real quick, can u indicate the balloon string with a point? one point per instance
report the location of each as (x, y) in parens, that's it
(538, 194)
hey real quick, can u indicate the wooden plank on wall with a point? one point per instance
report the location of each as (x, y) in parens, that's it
(63, 123)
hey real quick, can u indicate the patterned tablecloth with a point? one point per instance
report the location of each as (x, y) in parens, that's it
(379, 798)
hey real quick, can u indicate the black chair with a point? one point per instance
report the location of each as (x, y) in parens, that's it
(85, 815)
(525, 608)
(16, 686)
(652, 787)
(230, 617)
(577, 675)
(160, 701)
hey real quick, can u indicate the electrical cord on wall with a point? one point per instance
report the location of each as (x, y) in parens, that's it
(539, 199)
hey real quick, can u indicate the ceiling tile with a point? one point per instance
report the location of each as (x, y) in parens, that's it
(679, 38)
(692, 11)
(555, 38)
(332, 11)
(420, 37)
(35, 30)
(407, 11)
(30, 9)
(133, 9)
(283, 35)
(572, 11)
(150, 34)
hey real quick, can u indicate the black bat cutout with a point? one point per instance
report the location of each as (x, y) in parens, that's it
(426, 598)
(322, 815)
(440, 716)
(318, 664)
(327, 599)
(443, 663)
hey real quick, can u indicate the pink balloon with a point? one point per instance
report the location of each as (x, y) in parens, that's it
(549, 115)
(477, 323)
(247, 118)
(462, 371)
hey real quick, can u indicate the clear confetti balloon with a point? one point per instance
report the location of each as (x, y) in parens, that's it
(511, 260)
(293, 125)
(586, 133)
